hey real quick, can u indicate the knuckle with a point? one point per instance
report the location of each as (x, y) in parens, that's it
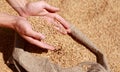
(26, 32)
(55, 15)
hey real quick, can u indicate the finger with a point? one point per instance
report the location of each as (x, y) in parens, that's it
(38, 43)
(61, 31)
(51, 8)
(57, 24)
(59, 28)
(35, 35)
(43, 12)
(62, 21)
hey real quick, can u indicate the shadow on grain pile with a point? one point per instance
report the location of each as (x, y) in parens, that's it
(97, 18)
(34, 64)
(69, 52)
(58, 40)
(7, 45)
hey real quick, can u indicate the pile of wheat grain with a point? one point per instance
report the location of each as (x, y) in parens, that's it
(68, 53)
(98, 19)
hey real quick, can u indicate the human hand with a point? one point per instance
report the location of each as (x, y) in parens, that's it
(24, 29)
(41, 8)
(48, 12)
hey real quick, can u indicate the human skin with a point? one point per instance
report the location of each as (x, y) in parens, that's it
(24, 29)
(46, 11)
(32, 64)
(40, 8)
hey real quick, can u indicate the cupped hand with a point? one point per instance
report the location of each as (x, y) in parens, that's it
(24, 29)
(41, 8)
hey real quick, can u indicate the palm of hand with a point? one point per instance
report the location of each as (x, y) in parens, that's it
(48, 12)
(25, 30)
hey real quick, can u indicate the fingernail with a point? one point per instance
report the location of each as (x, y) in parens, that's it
(68, 30)
(52, 48)
(65, 32)
(57, 9)
(43, 37)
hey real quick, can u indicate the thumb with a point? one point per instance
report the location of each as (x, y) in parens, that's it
(51, 8)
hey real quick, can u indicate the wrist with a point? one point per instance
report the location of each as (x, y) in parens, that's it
(19, 6)
(12, 22)
(16, 21)
(23, 11)
(7, 21)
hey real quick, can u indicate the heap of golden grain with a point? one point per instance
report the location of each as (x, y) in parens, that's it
(68, 53)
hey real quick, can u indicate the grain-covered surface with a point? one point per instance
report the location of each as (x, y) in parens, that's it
(98, 19)
(68, 52)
